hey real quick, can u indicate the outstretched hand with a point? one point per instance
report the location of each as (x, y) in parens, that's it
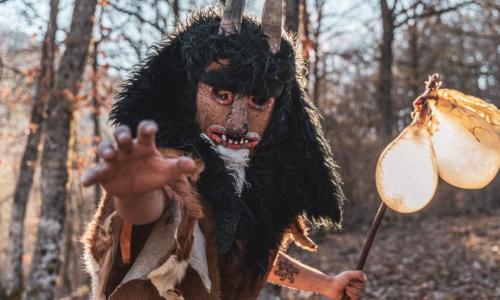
(135, 167)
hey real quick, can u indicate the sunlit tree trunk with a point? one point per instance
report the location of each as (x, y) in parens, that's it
(69, 249)
(46, 259)
(304, 24)
(13, 280)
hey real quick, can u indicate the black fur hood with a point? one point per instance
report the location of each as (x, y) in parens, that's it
(291, 172)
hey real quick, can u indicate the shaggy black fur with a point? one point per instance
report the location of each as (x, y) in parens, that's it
(291, 171)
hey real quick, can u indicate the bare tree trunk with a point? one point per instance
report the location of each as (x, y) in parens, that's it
(384, 84)
(96, 113)
(292, 15)
(72, 275)
(319, 6)
(13, 281)
(68, 251)
(46, 259)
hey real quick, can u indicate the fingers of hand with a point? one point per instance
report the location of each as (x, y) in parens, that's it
(123, 138)
(146, 132)
(88, 178)
(106, 151)
(358, 275)
(356, 284)
(185, 164)
(95, 175)
(175, 167)
(354, 290)
(353, 294)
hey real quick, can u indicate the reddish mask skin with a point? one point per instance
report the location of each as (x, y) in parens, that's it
(233, 120)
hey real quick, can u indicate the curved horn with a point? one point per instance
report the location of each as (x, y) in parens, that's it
(232, 16)
(272, 18)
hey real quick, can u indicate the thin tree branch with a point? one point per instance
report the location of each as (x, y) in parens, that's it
(394, 4)
(405, 10)
(137, 15)
(432, 13)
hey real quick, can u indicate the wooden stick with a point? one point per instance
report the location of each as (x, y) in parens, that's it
(369, 240)
(371, 236)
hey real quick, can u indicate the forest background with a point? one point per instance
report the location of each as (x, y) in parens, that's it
(62, 62)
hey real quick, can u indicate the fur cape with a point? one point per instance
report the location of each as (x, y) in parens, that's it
(291, 172)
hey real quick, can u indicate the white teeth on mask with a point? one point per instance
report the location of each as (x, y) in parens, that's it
(226, 141)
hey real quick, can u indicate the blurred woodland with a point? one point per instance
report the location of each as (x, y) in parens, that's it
(61, 63)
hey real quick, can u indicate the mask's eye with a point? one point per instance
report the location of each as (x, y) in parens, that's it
(222, 96)
(260, 103)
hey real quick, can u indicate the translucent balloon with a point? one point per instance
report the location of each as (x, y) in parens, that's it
(489, 112)
(406, 173)
(466, 146)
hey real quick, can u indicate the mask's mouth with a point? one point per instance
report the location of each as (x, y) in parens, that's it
(219, 135)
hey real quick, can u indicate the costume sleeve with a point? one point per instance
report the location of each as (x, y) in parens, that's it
(98, 237)
(298, 233)
(99, 244)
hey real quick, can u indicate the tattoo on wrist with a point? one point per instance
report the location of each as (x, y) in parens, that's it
(286, 270)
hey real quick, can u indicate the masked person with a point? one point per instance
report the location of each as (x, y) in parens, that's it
(219, 164)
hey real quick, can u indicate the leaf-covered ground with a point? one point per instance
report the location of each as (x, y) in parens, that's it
(447, 258)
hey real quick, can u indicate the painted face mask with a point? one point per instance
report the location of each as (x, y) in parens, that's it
(229, 118)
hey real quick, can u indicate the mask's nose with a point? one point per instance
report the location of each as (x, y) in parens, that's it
(237, 119)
